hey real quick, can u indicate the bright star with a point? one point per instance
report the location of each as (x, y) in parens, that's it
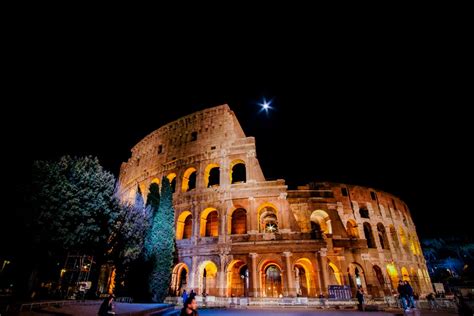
(265, 105)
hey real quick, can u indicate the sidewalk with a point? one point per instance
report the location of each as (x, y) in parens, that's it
(120, 309)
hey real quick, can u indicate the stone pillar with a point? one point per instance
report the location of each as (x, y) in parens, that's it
(253, 291)
(283, 213)
(252, 226)
(193, 274)
(221, 275)
(375, 233)
(224, 175)
(250, 165)
(196, 221)
(222, 222)
(323, 269)
(289, 275)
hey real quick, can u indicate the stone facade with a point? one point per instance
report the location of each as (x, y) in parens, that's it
(240, 235)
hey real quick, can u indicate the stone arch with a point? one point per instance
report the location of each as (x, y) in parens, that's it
(403, 237)
(356, 277)
(305, 278)
(179, 278)
(380, 279)
(393, 233)
(382, 234)
(155, 180)
(352, 230)
(393, 275)
(369, 236)
(320, 223)
(184, 225)
(271, 278)
(405, 274)
(268, 218)
(172, 178)
(189, 180)
(238, 171)
(237, 278)
(211, 175)
(415, 281)
(207, 278)
(336, 276)
(209, 223)
(238, 221)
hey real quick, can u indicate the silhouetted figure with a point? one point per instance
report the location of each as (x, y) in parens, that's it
(107, 306)
(190, 307)
(360, 299)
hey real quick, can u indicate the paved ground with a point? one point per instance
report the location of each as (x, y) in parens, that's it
(92, 309)
(305, 312)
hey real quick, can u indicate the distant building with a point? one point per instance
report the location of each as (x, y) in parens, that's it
(241, 235)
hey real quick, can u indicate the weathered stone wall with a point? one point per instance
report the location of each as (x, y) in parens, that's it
(291, 242)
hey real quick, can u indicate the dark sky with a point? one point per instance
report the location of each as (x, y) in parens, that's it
(395, 121)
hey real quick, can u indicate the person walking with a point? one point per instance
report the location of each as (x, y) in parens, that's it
(360, 298)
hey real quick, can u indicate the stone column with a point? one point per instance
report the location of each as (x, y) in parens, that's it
(221, 275)
(224, 175)
(196, 221)
(193, 274)
(250, 165)
(253, 291)
(283, 213)
(323, 269)
(222, 222)
(289, 275)
(252, 226)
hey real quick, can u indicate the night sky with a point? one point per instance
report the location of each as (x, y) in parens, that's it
(393, 122)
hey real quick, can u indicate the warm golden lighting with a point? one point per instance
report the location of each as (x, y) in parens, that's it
(186, 176)
(322, 218)
(393, 274)
(111, 288)
(403, 237)
(181, 223)
(207, 173)
(352, 230)
(171, 176)
(405, 275)
(209, 223)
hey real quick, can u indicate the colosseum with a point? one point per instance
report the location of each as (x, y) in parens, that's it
(240, 235)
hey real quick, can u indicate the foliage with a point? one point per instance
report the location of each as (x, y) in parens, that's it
(73, 205)
(161, 246)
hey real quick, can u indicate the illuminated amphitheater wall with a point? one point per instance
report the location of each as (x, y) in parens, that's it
(240, 235)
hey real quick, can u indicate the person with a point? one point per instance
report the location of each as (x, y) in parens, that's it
(402, 295)
(107, 306)
(463, 307)
(410, 295)
(432, 301)
(360, 298)
(192, 294)
(190, 307)
(184, 296)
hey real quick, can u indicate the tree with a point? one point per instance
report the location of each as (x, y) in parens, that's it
(161, 245)
(72, 201)
(126, 246)
(153, 197)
